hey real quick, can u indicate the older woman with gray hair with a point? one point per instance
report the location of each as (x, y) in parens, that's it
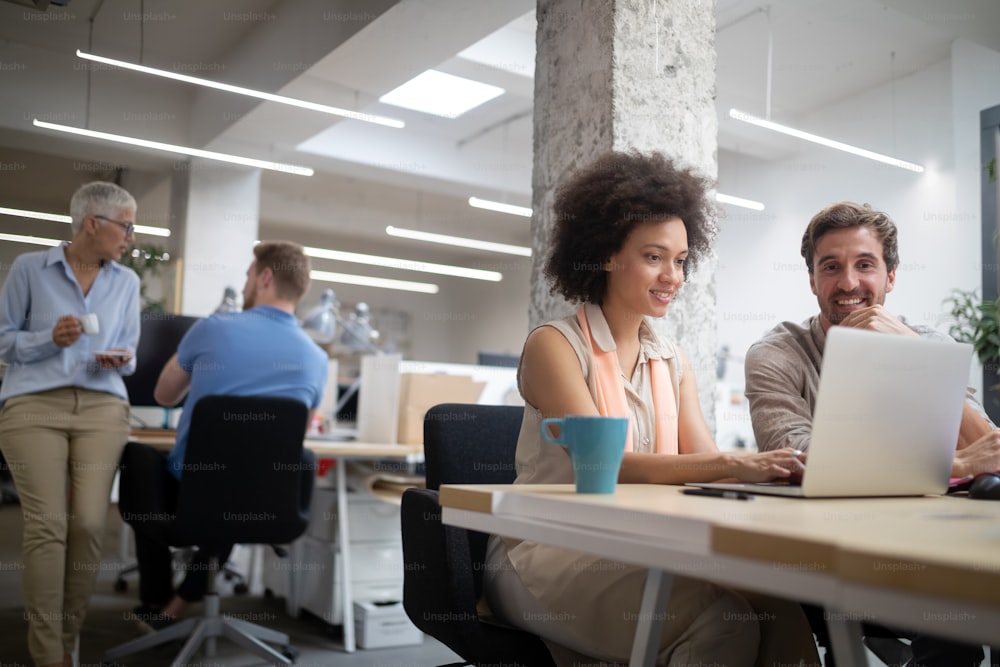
(69, 327)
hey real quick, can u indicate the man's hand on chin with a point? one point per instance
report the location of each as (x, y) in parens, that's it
(877, 318)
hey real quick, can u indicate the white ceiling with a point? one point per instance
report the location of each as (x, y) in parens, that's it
(348, 53)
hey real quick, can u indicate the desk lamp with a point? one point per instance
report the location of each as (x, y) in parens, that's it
(230, 302)
(327, 327)
(358, 336)
(321, 321)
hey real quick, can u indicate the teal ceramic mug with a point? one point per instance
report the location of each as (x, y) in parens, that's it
(596, 446)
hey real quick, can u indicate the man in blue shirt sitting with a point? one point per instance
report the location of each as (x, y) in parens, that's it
(260, 351)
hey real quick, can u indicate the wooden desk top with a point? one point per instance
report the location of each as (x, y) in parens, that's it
(933, 545)
(164, 440)
(365, 450)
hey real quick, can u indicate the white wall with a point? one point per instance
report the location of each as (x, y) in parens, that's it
(762, 278)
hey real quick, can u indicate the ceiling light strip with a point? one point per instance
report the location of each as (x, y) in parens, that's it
(249, 92)
(182, 150)
(37, 240)
(367, 281)
(445, 239)
(500, 207)
(55, 217)
(823, 141)
(404, 264)
(739, 201)
(526, 212)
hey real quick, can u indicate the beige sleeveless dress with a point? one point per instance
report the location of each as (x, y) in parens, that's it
(586, 607)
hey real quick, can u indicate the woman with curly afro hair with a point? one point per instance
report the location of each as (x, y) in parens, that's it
(629, 227)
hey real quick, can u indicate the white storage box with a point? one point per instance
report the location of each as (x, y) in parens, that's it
(377, 625)
(378, 575)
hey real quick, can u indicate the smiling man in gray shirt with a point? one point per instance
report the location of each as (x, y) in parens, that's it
(851, 253)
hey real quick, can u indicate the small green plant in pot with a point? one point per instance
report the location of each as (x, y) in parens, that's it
(976, 322)
(147, 260)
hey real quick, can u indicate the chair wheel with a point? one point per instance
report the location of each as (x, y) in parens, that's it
(241, 589)
(290, 652)
(120, 586)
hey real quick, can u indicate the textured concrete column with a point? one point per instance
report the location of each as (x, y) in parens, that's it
(627, 75)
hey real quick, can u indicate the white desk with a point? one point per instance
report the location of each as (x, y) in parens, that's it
(863, 559)
(342, 452)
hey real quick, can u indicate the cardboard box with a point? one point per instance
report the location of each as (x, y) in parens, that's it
(419, 392)
(380, 624)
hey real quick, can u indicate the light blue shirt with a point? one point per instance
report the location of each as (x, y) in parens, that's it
(40, 289)
(258, 352)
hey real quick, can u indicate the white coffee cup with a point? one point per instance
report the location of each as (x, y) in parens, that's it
(90, 324)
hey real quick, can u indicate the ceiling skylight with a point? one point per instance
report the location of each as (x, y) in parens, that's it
(441, 94)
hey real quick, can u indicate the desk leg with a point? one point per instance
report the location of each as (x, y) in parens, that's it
(344, 547)
(293, 580)
(652, 612)
(845, 640)
(125, 543)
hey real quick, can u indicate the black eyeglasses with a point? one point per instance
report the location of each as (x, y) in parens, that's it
(127, 226)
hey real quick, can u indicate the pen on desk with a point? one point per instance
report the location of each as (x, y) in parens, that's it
(718, 493)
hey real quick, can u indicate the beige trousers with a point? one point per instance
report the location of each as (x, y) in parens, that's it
(62, 447)
(586, 610)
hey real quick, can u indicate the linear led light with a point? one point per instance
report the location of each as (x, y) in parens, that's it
(441, 94)
(823, 141)
(526, 212)
(739, 201)
(404, 264)
(182, 150)
(368, 281)
(500, 207)
(458, 241)
(55, 217)
(249, 92)
(37, 240)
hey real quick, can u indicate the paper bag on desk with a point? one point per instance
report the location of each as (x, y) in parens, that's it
(385, 484)
(419, 392)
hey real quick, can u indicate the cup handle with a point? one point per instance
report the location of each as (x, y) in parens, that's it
(545, 430)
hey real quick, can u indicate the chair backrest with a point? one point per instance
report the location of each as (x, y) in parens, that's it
(246, 476)
(471, 444)
(442, 580)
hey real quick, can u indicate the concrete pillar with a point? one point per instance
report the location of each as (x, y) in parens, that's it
(624, 75)
(216, 209)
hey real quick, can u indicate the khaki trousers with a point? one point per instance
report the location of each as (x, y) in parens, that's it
(62, 447)
(586, 609)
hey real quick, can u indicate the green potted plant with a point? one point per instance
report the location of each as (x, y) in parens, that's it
(976, 322)
(147, 260)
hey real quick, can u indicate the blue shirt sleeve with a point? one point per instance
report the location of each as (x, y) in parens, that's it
(16, 344)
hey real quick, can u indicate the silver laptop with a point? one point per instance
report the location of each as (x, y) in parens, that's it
(886, 420)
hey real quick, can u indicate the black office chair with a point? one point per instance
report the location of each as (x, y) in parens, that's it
(443, 573)
(247, 479)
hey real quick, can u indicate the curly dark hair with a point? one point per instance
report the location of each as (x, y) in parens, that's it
(602, 203)
(847, 215)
